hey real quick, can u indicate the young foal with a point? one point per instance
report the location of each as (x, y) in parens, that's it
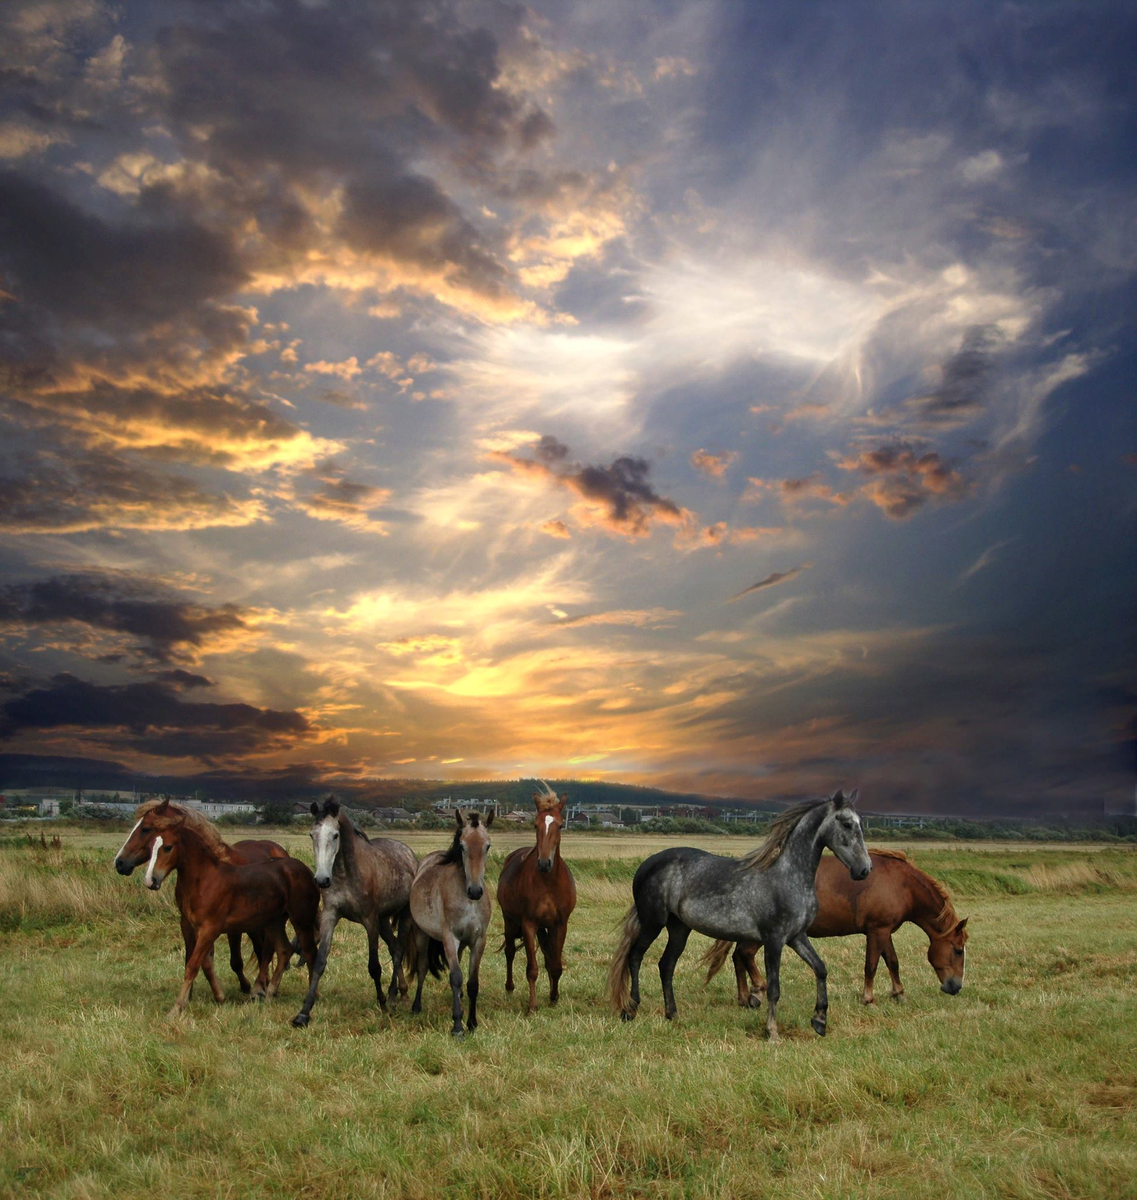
(137, 849)
(364, 880)
(218, 896)
(769, 892)
(451, 910)
(536, 894)
(895, 892)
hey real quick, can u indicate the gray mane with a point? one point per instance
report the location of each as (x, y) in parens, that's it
(779, 833)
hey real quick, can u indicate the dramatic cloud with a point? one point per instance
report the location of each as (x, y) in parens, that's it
(169, 629)
(151, 716)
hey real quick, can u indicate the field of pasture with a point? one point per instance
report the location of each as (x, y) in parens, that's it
(1024, 1085)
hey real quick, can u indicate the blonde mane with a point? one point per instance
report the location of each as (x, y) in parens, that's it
(192, 819)
(778, 834)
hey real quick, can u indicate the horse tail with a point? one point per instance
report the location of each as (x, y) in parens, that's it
(715, 959)
(619, 973)
(436, 958)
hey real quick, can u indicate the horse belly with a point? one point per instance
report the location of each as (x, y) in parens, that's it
(718, 917)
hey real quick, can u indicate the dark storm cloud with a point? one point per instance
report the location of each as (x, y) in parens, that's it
(178, 678)
(57, 493)
(169, 628)
(411, 221)
(150, 717)
(116, 276)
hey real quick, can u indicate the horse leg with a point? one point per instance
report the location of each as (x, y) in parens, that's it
(237, 960)
(403, 926)
(276, 938)
(677, 935)
(809, 955)
(422, 949)
(453, 949)
(773, 955)
(872, 958)
(374, 966)
(512, 933)
(189, 937)
(893, 965)
(211, 978)
(648, 934)
(328, 921)
(202, 948)
(554, 947)
(748, 979)
(529, 933)
(475, 963)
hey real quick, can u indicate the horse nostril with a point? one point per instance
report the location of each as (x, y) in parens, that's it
(475, 893)
(544, 864)
(323, 881)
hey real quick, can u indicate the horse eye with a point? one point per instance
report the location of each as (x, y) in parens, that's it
(166, 849)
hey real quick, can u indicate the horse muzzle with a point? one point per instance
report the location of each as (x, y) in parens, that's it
(123, 868)
(544, 865)
(323, 881)
(474, 891)
(952, 986)
(859, 873)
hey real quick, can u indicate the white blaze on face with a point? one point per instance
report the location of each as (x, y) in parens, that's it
(548, 822)
(324, 846)
(153, 862)
(128, 837)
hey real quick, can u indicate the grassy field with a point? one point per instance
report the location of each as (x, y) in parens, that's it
(1025, 1085)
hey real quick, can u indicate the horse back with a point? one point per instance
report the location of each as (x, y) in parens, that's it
(257, 850)
(845, 905)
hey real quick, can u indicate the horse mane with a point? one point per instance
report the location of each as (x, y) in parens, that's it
(547, 799)
(779, 834)
(194, 821)
(946, 918)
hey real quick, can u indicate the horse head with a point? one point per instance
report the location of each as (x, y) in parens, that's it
(139, 845)
(549, 820)
(472, 836)
(946, 954)
(325, 839)
(841, 832)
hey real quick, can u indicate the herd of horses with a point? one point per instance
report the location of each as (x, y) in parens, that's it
(429, 912)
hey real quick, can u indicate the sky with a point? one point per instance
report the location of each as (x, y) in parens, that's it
(735, 398)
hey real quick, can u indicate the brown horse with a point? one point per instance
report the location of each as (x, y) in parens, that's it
(451, 910)
(536, 894)
(216, 895)
(246, 851)
(896, 891)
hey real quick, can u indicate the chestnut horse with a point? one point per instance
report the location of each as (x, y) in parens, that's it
(216, 895)
(536, 894)
(246, 851)
(895, 892)
(451, 910)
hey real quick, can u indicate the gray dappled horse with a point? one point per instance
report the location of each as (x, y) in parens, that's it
(366, 880)
(769, 893)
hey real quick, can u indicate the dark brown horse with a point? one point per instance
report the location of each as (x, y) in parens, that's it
(216, 895)
(896, 891)
(246, 851)
(537, 894)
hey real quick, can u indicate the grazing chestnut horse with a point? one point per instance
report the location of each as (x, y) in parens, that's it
(365, 880)
(895, 892)
(216, 895)
(249, 850)
(536, 894)
(451, 910)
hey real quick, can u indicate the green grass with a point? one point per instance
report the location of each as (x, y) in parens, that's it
(1024, 1085)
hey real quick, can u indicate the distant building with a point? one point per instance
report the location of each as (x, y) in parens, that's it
(390, 815)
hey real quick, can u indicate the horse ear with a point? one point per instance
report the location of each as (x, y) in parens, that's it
(459, 818)
(332, 806)
(960, 927)
(852, 799)
(161, 807)
(489, 819)
(838, 799)
(315, 809)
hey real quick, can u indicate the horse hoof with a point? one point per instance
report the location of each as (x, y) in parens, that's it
(752, 1001)
(509, 987)
(300, 1021)
(867, 1000)
(818, 1026)
(899, 997)
(627, 1016)
(458, 1034)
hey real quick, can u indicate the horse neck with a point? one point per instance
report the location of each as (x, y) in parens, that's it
(195, 857)
(802, 851)
(347, 858)
(931, 910)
